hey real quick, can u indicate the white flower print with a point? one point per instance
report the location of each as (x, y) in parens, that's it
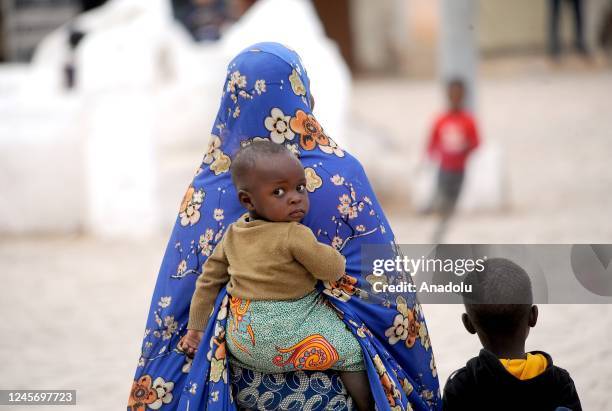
(337, 180)
(260, 86)
(313, 181)
(198, 197)
(171, 327)
(424, 336)
(399, 330)
(332, 148)
(296, 84)
(219, 162)
(187, 365)
(164, 301)
(218, 215)
(336, 242)
(164, 392)
(182, 267)
(236, 80)
(360, 228)
(278, 125)
(344, 199)
(189, 211)
(213, 145)
(193, 388)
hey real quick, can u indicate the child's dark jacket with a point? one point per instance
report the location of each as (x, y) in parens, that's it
(484, 384)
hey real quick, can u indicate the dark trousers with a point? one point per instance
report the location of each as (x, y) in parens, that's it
(447, 193)
(449, 188)
(555, 18)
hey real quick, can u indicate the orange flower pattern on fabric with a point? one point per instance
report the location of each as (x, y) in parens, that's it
(312, 353)
(190, 206)
(343, 289)
(310, 131)
(142, 394)
(387, 383)
(406, 326)
(241, 321)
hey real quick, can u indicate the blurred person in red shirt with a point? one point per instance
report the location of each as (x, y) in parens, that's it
(453, 137)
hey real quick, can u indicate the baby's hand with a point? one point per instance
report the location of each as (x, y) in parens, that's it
(190, 342)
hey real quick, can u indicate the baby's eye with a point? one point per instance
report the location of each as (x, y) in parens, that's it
(278, 192)
(300, 188)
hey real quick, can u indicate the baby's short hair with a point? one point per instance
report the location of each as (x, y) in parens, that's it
(501, 296)
(246, 158)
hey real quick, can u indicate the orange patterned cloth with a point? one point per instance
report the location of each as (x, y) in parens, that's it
(293, 335)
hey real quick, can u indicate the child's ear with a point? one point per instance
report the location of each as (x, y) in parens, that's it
(467, 323)
(245, 199)
(533, 316)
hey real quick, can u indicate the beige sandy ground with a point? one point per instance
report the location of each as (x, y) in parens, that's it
(73, 309)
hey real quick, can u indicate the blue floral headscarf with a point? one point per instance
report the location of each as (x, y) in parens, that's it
(266, 95)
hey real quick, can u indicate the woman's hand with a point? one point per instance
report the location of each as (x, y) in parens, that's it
(190, 342)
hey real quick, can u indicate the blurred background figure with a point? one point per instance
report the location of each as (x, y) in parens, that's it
(204, 19)
(143, 81)
(87, 5)
(605, 30)
(555, 21)
(453, 137)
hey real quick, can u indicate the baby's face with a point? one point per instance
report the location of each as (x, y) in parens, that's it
(279, 192)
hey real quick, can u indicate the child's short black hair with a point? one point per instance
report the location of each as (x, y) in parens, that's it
(245, 160)
(501, 297)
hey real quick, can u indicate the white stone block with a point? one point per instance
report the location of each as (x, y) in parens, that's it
(41, 166)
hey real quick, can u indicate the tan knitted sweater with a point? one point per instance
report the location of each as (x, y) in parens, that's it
(263, 261)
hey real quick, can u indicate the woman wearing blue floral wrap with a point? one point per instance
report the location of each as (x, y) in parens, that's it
(266, 95)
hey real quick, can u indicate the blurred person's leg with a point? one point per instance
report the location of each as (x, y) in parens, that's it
(554, 7)
(579, 26)
(449, 187)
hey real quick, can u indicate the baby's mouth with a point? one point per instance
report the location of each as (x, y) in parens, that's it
(297, 213)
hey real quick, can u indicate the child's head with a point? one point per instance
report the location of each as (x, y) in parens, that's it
(500, 307)
(456, 93)
(270, 181)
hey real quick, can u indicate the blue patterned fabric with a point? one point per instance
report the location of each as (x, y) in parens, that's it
(266, 96)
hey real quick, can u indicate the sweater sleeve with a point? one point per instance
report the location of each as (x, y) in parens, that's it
(321, 260)
(457, 393)
(214, 276)
(568, 396)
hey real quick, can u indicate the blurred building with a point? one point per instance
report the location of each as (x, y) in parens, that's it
(402, 35)
(373, 36)
(24, 23)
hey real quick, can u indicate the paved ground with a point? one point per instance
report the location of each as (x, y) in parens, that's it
(73, 308)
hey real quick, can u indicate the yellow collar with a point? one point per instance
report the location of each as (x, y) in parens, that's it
(534, 365)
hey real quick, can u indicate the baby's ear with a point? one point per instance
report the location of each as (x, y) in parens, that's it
(467, 323)
(245, 199)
